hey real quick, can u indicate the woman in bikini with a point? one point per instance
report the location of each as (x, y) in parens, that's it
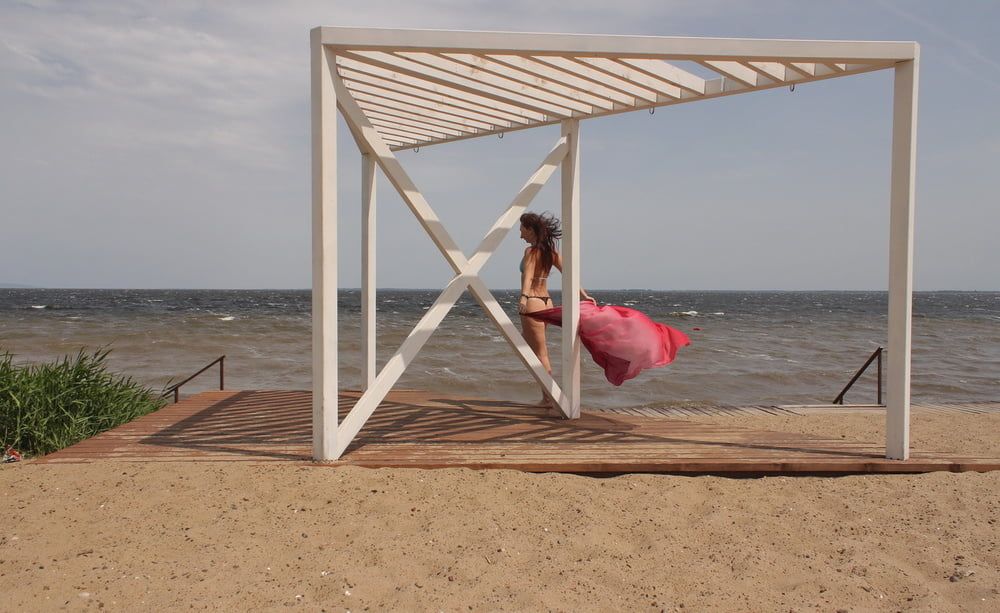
(540, 232)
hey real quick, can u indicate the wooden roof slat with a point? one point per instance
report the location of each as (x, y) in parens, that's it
(415, 120)
(487, 64)
(456, 98)
(443, 86)
(496, 77)
(414, 80)
(569, 79)
(735, 70)
(392, 125)
(590, 73)
(420, 98)
(669, 73)
(420, 105)
(511, 102)
(619, 70)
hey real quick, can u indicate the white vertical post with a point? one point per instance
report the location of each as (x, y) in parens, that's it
(571, 267)
(368, 373)
(324, 251)
(904, 150)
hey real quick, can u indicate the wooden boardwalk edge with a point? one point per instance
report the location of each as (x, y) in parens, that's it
(414, 429)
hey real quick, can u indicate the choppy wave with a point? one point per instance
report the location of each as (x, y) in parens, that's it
(747, 347)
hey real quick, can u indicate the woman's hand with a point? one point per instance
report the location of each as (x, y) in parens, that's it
(585, 296)
(522, 305)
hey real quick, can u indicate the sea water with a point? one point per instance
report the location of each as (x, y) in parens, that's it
(746, 347)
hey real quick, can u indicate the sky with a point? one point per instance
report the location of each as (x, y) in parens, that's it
(149, 144)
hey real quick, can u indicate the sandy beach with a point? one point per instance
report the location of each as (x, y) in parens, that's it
(243, 536)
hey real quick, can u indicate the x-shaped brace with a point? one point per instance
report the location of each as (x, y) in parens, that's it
(466, 269)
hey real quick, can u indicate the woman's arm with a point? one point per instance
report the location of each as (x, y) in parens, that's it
(557, 262)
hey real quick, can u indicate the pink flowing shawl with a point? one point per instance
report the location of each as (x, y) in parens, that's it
(621, 340)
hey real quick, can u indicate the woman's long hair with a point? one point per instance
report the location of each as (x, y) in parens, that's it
(547, 231)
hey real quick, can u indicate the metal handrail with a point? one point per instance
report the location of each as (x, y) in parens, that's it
(877, 354)
(175, 388)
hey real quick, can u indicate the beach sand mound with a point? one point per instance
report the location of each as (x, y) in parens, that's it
(241, 536)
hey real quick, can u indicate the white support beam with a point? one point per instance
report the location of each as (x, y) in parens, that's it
(468, 278)
(571, 267)
(368, 309)
(467, 270)
(904, 149)
(650, 47)
(324, 252)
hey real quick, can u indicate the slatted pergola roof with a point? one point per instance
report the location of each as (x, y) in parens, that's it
(402, 89)
(420, 87)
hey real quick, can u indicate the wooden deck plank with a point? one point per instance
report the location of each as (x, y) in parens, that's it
(429, 430)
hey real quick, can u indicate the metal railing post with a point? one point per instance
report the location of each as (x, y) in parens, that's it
(175, 389)
(877, 354)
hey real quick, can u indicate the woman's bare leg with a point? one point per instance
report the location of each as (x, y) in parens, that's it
(534, 333)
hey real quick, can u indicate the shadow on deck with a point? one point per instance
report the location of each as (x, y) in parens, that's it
(428, 430)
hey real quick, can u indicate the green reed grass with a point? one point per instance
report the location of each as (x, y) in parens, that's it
(45, 407)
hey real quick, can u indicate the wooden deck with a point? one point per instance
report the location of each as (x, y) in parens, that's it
(426, 430)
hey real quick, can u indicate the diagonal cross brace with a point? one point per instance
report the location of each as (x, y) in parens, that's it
(467, 270)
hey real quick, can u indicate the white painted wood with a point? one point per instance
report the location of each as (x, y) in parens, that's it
(735, 70)
(368, 287)
(397, 364)
(804, 69)
(552, 74)
(423, 116)
(559, 104)
(424, 123)
(392, 80)
(487, 64)
(490, 96)
(668, 72)
(392, 127)
(324, 252)
(714, 88)
(653, 47)
(425, 107)
(629, 74)
(902, 201)
(571, 267)
(589, 73)
(466, 271)
(461, 107)
(772, 70)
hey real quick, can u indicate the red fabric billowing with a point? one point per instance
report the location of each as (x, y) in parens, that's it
(621, 340)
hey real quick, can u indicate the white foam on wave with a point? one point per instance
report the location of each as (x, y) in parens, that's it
(227, 318)
(39, 306)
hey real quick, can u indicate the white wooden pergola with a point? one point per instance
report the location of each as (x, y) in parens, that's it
(403, 89)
